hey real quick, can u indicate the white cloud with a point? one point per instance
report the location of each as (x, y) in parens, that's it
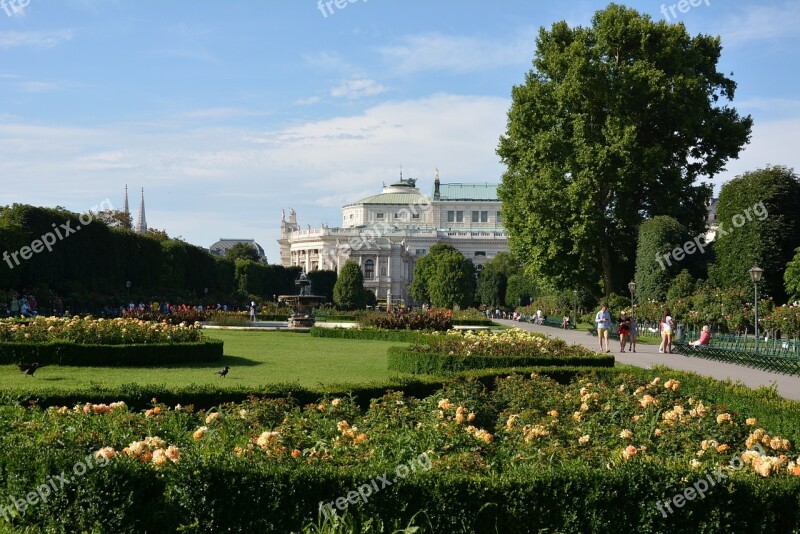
(10, 39)
(760, 23)
(307, 101)
(357, 88)
(215, 181)
(437, 52)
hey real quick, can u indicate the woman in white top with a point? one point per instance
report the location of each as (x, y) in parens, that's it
(667, 326)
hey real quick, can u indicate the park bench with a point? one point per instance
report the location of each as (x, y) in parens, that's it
(776, 356)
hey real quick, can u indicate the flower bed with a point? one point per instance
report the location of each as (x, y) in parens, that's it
(532, 455)
(459, 351)
(87, 330)
(101, 342)
(438, 320)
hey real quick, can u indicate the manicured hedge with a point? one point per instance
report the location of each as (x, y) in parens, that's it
(406, 360)
(472, 322)
(65, 353)
(139, 396)
(403, 336)
(205, 496)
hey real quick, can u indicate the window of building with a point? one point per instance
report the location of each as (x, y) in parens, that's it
(351, 216)
(480, 253)
(476, 216)
(499, 216)
(421, 251)
(383, 271)
(451, 216)
(459, 216)
(396, 215)
(415, 216)
(484, 216)
(379, 215)
(369, 269)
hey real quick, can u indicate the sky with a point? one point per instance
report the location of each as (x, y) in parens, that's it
(226, 112)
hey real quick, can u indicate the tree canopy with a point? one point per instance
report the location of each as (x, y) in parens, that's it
(615, 124)
(242, 251)
(443, 278)
(349, 292)
(759, 218)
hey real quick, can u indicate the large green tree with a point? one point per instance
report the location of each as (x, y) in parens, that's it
(759, 218)
(792, 277)
(348, 292)
(615, 124)
(493, 279)
(443, 278)
(656, 263)
(242, 251)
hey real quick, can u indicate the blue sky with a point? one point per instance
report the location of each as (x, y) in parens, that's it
(227, 111)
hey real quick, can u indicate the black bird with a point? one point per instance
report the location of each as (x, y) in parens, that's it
(29, 368)
(223, 372)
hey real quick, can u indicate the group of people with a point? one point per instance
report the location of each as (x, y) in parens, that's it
(628, 330)
(25, 305)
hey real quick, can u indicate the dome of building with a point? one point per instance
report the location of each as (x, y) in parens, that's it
(404, 192)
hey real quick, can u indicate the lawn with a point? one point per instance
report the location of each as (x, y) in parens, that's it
(255, 358)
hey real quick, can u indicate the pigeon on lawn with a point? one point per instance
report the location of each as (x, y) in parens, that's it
(29, 368)
(223, 372)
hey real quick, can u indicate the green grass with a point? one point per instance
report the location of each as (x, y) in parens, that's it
(255, 358)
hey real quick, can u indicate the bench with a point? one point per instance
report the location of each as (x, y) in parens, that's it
(550, 321)
(740, 354)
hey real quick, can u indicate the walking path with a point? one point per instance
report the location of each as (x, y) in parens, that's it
(648, 355)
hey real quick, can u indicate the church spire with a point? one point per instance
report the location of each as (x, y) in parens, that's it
(141, 223)
(125, 208)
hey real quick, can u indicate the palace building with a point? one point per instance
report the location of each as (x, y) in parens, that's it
(389, 232)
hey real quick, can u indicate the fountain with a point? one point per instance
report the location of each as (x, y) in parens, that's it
(302, 305)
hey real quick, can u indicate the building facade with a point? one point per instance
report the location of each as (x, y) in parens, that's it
(389, 232)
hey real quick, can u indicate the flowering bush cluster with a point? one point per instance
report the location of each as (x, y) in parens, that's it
(439, 320)
(87, 330)
(512, 342)
(182, 314)
(526, 422)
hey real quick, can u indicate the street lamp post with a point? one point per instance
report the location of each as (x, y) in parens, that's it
(632, 288)
(575, 307)
(755, 275)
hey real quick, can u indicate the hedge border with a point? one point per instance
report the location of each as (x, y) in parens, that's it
(407, 360)
(401, 336)
(67, 353)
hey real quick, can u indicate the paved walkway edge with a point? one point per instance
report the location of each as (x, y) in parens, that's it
(648, 356)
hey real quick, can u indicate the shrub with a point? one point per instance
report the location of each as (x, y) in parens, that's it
(67, 353)
(402, 336)
(265, 465)
(87, 330)
(438, 320)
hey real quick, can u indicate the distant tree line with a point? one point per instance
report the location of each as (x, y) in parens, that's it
(78, 256)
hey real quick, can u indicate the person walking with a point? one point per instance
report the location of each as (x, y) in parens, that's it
(253, 310)
(623, 328)
(633, 334)
(667, 326)
(603, 322)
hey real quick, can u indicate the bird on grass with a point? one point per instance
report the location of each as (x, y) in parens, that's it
(28, 368)
(223, 372)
